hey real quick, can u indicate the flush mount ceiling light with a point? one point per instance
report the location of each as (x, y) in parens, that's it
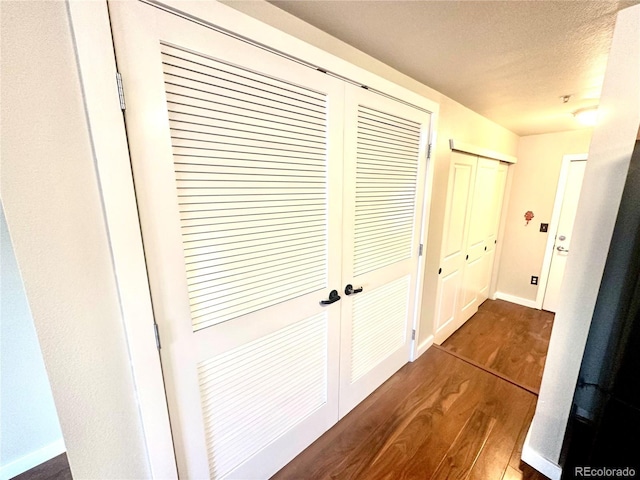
(587, 116)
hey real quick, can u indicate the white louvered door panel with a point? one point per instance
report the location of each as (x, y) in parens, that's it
(244, 188)
(237, 160)
(385, 165)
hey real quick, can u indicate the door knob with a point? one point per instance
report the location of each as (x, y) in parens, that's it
(348, 290)
(560, 248)
(333, 297)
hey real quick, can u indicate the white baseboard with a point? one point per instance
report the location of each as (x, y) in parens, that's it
(540, 463)
(525, 302)
(31, 460)
(422, 347)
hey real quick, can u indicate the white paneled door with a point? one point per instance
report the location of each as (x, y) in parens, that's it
(472, 218)
(479, 230)
(237, 160)
(385, 164)
(493, 224)
(462, 175)
(572, 189)
(265, 187)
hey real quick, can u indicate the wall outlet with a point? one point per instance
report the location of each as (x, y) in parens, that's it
(534, 280)
(544, 227)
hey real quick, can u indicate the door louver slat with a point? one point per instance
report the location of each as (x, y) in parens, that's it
(250, 164)
(386, 175)
(254, 393)
(379, 319)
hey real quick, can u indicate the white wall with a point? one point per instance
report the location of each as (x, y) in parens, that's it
(534, 184)
(54, 212)
(28, 419)
(609, 155)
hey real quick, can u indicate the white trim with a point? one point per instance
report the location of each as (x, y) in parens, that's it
(417, 349)
(525, 302)
(537, 461)
(423, 347)
(96, 62)
(32, 460)
(553, 225)
(459, 146)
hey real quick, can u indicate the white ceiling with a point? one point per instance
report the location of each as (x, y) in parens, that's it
(508, 60)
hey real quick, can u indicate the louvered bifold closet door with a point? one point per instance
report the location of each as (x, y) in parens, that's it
(385, 165)
(237, 159)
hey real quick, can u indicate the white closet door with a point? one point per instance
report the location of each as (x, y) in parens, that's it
(462, 175)
(493, 224)
(476, 267)
(237, 160)
(385, 165)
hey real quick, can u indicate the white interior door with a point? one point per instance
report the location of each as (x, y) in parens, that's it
(493, 224)
(563, 237)
(385, 166)
(477, 266)
(237, 160)
(462, 175)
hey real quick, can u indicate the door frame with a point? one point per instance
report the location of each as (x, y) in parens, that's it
(91, 29)
(553, 225)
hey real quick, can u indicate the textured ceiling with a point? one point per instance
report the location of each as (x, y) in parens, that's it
(507, 60)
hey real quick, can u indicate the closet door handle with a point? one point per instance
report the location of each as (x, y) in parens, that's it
(348, 290)
(333, 297)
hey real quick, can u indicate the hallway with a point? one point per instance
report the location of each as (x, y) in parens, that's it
(461, 410)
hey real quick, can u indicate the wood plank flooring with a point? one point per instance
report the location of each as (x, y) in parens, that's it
(455, 413)
(507, 339)
(441, 417)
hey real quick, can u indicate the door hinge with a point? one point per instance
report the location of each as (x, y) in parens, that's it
(123, 107)
(429, 152)
(413, 335)
(420, 250)
(157, 333)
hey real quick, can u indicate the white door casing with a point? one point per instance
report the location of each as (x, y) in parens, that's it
(385, 166)
(561, 246)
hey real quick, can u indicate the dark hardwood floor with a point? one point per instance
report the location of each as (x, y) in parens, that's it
(506, 339)
(461, 411)
(452, 414)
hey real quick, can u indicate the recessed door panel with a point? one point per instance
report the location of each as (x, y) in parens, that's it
(457, 218)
